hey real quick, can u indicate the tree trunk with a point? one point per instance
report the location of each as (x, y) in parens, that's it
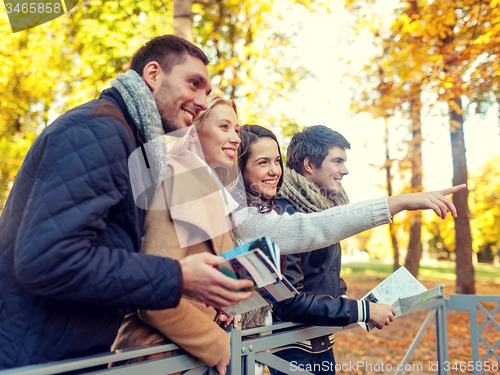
(485, 254)
(183, 19)
(414, 254)
(463, 237)
(395, 248)
(384, 90)
(388, 176)
(496, 258)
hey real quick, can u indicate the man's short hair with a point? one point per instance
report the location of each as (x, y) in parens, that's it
(313, 142)
(168, 51)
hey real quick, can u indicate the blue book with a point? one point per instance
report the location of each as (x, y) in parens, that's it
(258, 261)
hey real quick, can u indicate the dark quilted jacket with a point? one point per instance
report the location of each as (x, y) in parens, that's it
(70, 234)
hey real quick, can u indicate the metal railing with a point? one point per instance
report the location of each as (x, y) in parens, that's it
(246, 351)
(474, 305)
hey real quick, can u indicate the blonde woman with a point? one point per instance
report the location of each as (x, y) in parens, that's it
(190, 214)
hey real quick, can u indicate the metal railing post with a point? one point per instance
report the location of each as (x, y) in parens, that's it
(235, 365)
(442, 335)
(472, 304)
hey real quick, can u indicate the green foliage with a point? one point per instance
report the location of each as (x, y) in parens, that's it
(443, 270)
(101, 36)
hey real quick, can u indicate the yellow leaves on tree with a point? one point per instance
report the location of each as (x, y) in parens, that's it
(485, 204)
(31, 62)
(252, 60)
(61, 64)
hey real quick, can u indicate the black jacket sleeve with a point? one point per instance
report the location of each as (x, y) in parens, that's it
(343, 287)
(316, 309)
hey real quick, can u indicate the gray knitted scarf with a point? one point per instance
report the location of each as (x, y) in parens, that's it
(306, 196)
(143, 110)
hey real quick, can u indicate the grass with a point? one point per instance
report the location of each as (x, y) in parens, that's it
(443, 270)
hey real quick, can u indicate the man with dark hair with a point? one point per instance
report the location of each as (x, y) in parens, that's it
(313, 143)
(312, 182)
(71, 228)
(168, 51)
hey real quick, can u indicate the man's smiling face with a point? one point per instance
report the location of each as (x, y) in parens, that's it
(182, 93)
(329, 175)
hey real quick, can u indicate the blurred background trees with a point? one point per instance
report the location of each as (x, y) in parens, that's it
(485, 210)
(426, 53)
(433, 47)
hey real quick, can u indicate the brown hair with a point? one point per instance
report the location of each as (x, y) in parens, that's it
(313, 142)
(248, 135)
(168, 51)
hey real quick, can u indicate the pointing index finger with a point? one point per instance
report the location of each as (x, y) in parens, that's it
(454, 189)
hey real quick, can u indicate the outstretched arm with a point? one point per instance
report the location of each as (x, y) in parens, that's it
(431, 200)
(300, 232)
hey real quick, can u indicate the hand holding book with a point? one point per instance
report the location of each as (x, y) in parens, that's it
(201, 281)
(257, 261)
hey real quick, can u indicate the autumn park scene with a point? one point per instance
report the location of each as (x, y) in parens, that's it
(414, 85)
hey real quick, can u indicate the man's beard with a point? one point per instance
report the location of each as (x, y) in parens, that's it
(168, 114)
(170, 124)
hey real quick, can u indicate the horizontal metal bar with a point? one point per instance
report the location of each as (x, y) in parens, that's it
(91, 361)
(295, 334)
(283, 333)
(158, 366)
(466, 302)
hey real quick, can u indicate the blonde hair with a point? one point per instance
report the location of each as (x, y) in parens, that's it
(212, 101)
(179, 143)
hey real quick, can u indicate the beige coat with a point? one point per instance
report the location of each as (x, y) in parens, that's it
(196, 210)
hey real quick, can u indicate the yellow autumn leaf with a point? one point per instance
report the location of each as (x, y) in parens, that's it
(450, 18)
